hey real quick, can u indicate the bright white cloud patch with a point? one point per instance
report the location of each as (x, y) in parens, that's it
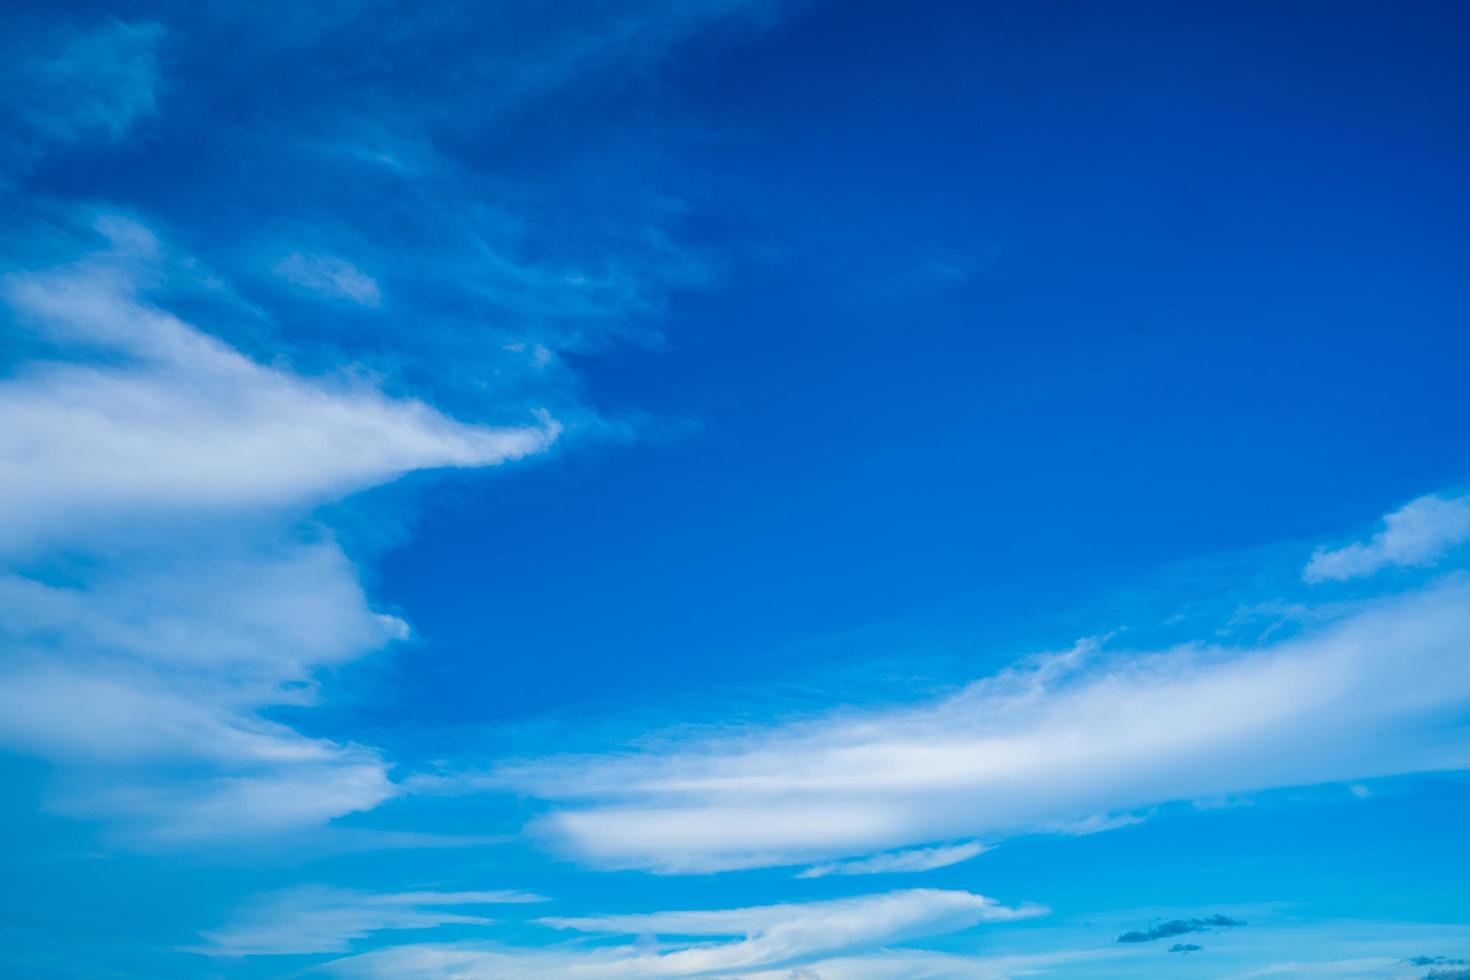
(1036, 747)
(1419, 533)
(173, 418)
(174, 474)
(315, 919)
(330, 276)
(771, 937)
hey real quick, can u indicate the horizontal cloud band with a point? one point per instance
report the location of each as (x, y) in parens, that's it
(1064, 737)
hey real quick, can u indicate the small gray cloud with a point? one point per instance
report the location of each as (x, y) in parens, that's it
(1179, 927)
(1185, 948)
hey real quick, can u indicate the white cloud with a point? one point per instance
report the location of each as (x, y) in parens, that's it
(162, 659)
(315, 919)
(164, 808)
(775, 938)
(1419, 533)
(916, 964)
(897, 862)
(165, 583)
(331, 276)
(102, 712)
(184, 421)
(429, 961)
(269, 611)
(1037, 747)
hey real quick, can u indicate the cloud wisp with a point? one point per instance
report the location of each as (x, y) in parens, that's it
(317, 919)
(469, 961)
(766, 939)
(899, 862)
(330, 276)
(175, 419)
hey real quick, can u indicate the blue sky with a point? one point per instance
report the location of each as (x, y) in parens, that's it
(772, 489)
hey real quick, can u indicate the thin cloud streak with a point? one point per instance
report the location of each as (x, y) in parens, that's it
(898, 862)
(314, 919)
(1035, 747)
(779, 937)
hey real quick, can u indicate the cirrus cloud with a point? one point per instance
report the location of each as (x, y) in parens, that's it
(772, 940)
(1035, 747)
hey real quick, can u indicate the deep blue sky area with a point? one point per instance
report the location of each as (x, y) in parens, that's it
(777, 489)
(1114, 289)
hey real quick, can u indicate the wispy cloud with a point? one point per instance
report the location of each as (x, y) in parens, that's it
(316, 919)
(1419, 533)
(330, 276)
(467, 961)
(771, 938)
(1034, 747)
(177, 419)
(898, 862)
